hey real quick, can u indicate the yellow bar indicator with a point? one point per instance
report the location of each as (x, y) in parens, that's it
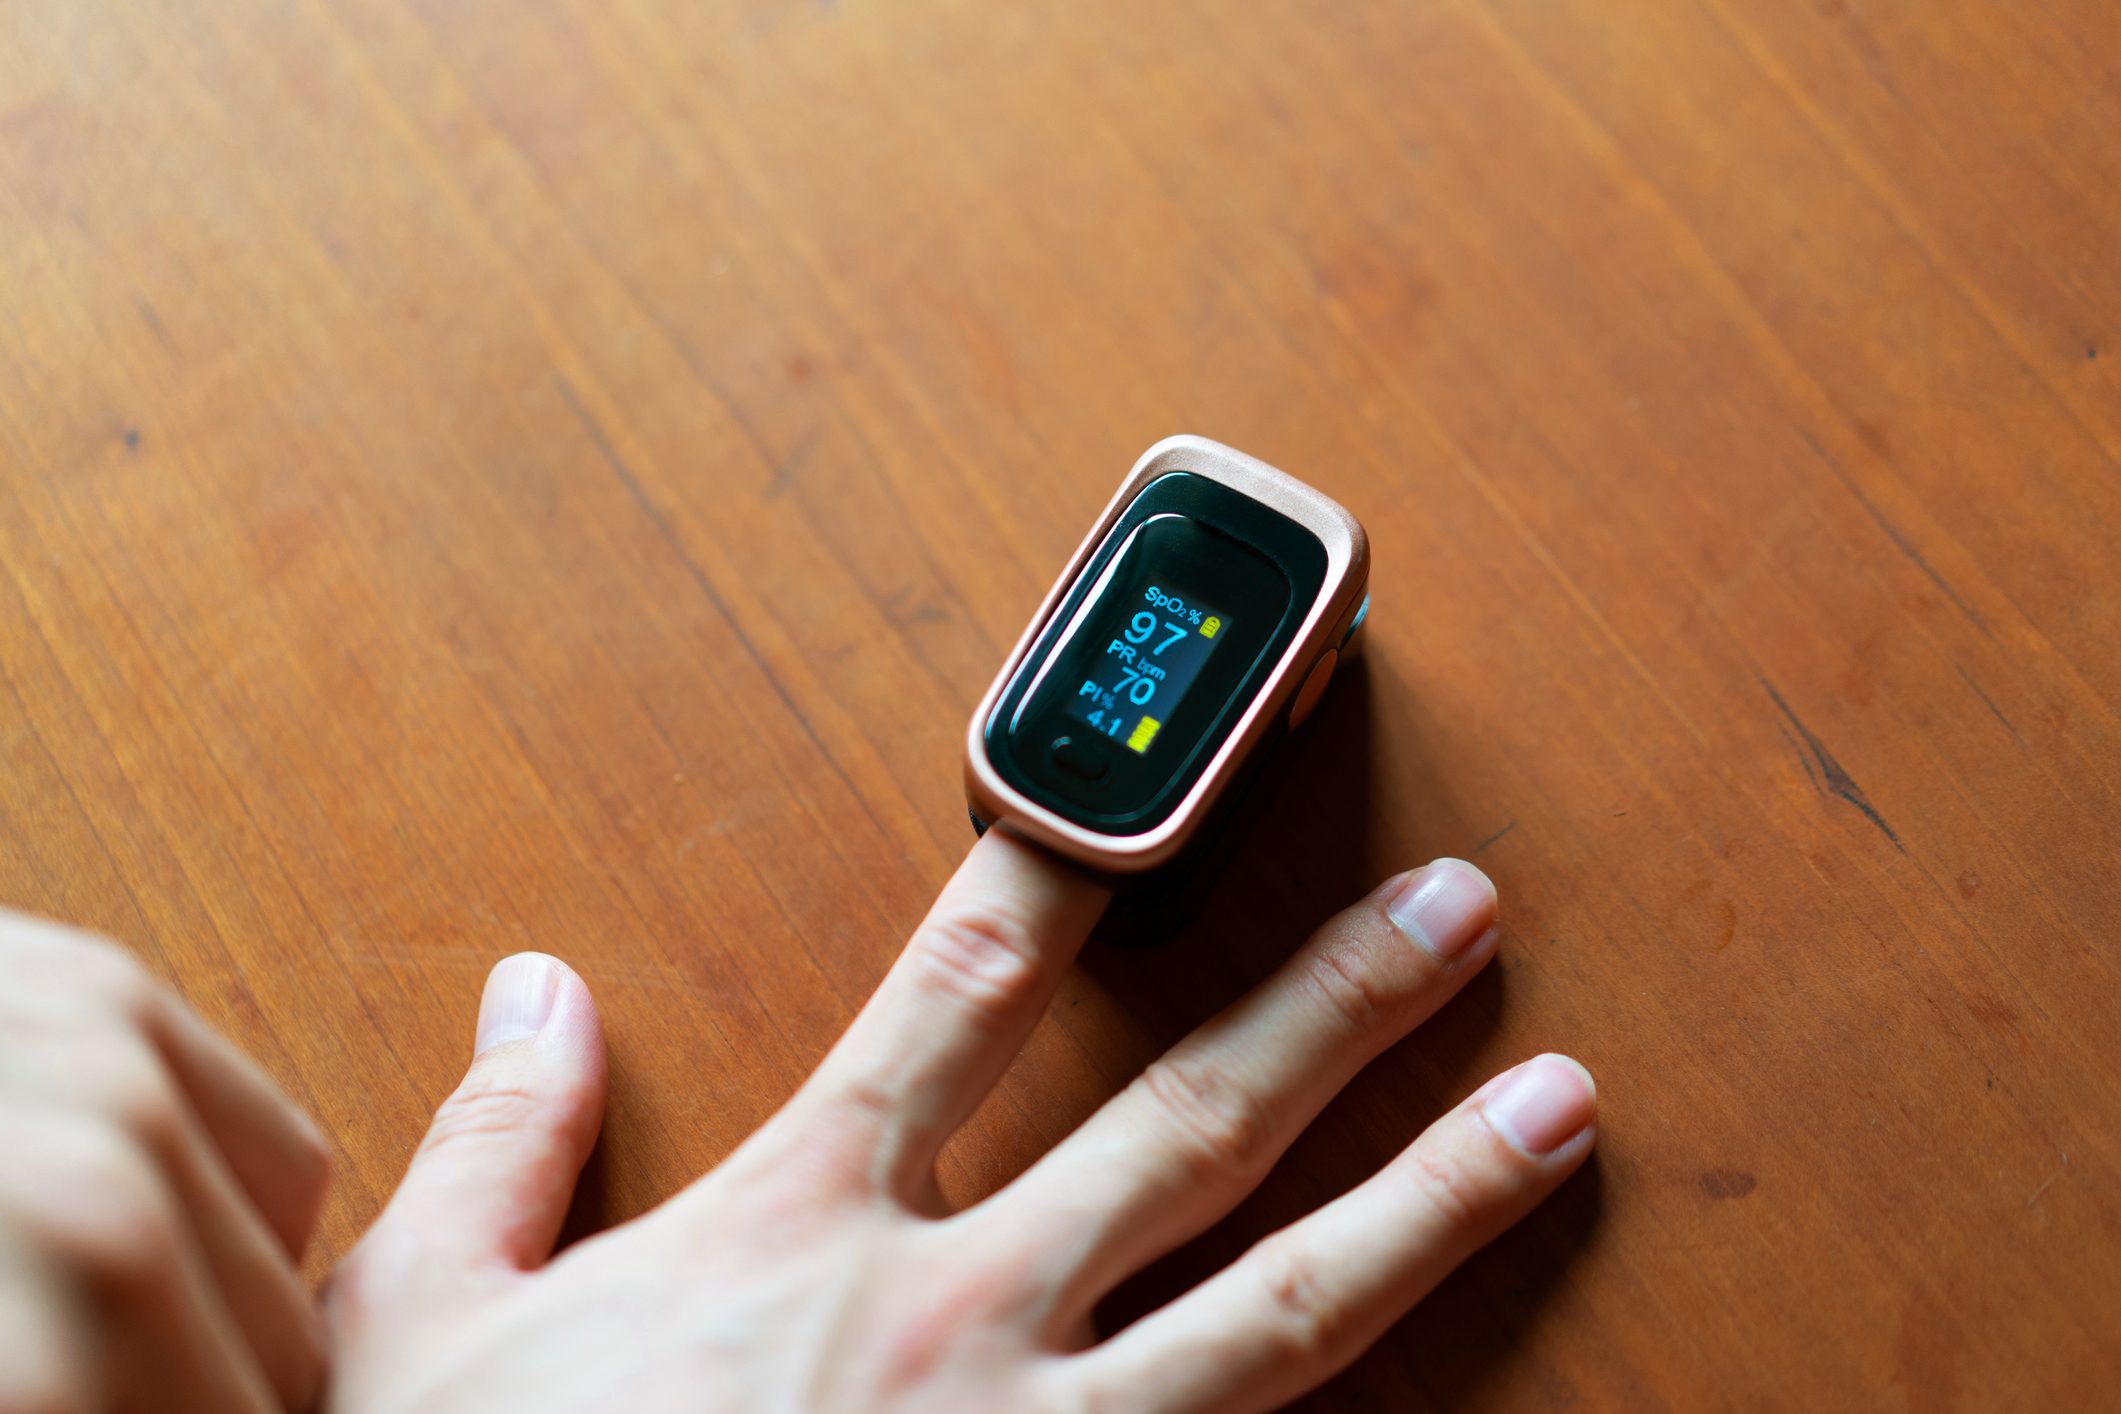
(1210, 626)
(1144, 733)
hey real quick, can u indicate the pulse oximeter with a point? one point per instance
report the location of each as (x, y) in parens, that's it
(1197, 625)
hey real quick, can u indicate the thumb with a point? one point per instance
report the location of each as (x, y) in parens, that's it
(492, 1179)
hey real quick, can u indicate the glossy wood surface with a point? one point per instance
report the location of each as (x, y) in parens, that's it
(483, 475)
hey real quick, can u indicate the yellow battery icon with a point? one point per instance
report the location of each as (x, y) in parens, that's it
(1210, 626)
(1144, 732)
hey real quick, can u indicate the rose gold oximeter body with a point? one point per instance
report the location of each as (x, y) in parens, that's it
(1196, 626)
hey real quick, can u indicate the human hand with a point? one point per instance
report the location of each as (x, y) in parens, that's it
(155, 1194)
(818, 1268)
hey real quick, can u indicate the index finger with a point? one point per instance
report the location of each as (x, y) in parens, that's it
(974, 979)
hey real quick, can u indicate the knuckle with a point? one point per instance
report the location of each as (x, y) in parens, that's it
(820, 1147)
(1307, 1321)
(1361, 993)
(1221, 1126)
(115, 977)
(133, 1089)
(113, 1225)
(856, 1109)
(484, 1108)
(1447, 1188)
(984, 958)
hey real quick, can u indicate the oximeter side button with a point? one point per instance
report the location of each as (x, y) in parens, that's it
(1078, 760)
(1314, 688)
(1362, 611)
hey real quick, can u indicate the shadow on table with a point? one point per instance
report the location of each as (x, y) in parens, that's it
(1318, 841)
(1471, 1328)
(1302, 836)
(1313, 841)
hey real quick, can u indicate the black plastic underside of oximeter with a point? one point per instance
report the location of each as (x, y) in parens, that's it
(1252, 564)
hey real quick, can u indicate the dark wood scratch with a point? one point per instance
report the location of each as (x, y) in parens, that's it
(1986, 701)
(155, 325)
(1838, 781)
(1494, 837)
(1893, 533)
(1803, 758)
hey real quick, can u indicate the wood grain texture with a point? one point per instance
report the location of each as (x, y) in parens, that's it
(479, 475)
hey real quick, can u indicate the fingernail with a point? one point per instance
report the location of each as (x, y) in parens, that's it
(518, 999)
(1443, 907)
(1542, 1104)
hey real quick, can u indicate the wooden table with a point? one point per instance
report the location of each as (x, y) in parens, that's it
(482, 475)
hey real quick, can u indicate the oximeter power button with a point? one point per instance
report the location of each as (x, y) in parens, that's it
(1084, 762)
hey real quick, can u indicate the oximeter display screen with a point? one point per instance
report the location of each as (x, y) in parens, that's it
(1151, 658)
(1153, 647)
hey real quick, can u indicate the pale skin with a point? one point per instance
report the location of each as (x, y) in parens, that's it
(156, 1191)
(818, 1267)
